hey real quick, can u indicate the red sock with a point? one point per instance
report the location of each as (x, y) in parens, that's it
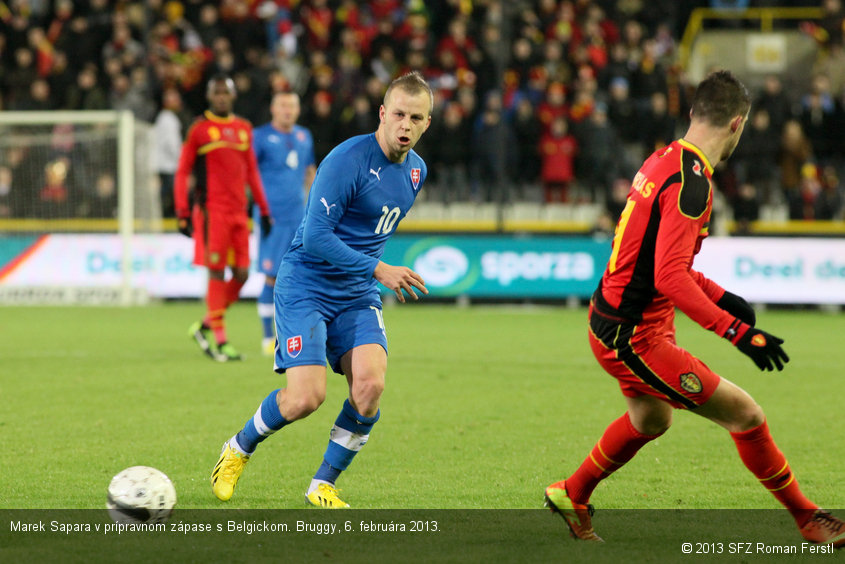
(763, 458)
(216, 303)
(233, 290)
(619, 443)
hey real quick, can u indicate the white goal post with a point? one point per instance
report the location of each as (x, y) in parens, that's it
(76, 172)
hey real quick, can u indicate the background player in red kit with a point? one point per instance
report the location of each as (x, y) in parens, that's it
(218, 150)
(632, 331)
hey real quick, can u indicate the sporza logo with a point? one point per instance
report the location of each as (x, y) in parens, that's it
(376, 172)
(294, 346)
(449, 268)
(328, 207)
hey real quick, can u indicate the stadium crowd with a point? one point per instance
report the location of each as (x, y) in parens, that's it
(556, 100)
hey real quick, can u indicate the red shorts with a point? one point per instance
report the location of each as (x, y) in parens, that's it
(646, 361)
(220, 239)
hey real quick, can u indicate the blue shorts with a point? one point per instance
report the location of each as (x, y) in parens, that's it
(312, 328)
(273, 247)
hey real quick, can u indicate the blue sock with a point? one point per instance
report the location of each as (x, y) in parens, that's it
(266, 421)
(350, 432)
(265, 310)
(327, 473)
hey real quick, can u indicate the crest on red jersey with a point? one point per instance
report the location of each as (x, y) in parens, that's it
(294, 346)
(415, 177)
(691, 383)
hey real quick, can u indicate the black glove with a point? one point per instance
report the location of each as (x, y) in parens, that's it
(266, 225)
(186, 227)
(738, 307)
(763, 348)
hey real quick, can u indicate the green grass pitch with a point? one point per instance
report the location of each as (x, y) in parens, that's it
(484, 406)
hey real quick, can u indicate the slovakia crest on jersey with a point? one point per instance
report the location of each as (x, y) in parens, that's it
(415, 177)
(294, 346)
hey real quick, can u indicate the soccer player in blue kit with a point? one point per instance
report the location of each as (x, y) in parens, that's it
(285, 154)
(327, 297)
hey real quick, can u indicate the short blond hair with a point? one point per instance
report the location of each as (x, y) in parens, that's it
(413, 83)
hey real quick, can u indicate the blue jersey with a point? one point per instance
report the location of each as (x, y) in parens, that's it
(356, 201)
(283, 159)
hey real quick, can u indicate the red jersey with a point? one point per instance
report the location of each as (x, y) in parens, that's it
(558, 158)
(219, 152)
(666, 218)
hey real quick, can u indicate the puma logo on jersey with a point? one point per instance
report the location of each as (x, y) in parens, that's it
(696, 168)
(328, 207)
(376, 172)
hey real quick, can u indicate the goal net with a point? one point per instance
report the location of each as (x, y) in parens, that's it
(66, 177)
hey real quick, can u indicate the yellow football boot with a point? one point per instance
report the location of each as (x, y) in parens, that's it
(225, 475)
(325, 496)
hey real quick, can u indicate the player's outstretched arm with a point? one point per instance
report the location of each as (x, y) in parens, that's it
(398, 278)
(763, 348)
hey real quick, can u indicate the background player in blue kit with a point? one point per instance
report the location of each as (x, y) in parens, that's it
(285, 153)
(327, 297)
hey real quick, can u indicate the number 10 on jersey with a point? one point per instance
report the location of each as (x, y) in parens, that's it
(387, 221)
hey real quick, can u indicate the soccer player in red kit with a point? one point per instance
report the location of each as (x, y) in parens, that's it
(218, 150)
(632, 332)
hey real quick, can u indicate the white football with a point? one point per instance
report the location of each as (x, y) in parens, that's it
(141, 494)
